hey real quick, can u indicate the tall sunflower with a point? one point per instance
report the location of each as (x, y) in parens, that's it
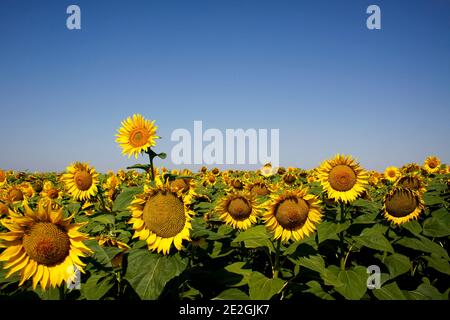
(44, 246)
(81, 181)
(136, 135)
(343, 178)
(392, 173)
(161, 217)
(402, 205)
(432, 164)
(239, 209)
(292, 214)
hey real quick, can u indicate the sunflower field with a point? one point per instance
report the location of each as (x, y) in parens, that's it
(271, 234)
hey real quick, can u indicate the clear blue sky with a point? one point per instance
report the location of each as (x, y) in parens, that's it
(310, 68)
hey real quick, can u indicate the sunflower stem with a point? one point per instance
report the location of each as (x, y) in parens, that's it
(151, 156)
(276, 269)
(341, 238)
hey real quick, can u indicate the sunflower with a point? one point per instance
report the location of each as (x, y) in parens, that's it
(410, 168)
(14, 194)
(161, 217)
(343, 178)
(392, 173)
(112, 185)
(184, 185)
(44, 246)
(4, 210)
(413, 181)
(49, 191)
(292, 214)
(432, 164)
(402, 205)
(374, 178)
(267, 170)
(238, 209)
(81, 181)
(108, 241)
(290, 176)
(2, 177)
(136, 135)
(209, 179)
(259, 188)
(236, 184)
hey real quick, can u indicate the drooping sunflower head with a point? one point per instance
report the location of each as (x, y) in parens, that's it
(81, 181)
(392, 173)
(43, 246)
(259, 188)
(13, 194)
(432, 164)
(413, 181)
(136, 135)
(239, 209)
(292, 214)
(402, 205)
(410, 168)
(342, 178)
(289, 177)
(161, 217)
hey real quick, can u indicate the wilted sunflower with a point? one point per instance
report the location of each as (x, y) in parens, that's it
(14, 194)
(81, 181)
(44, 246)
(238, 209)
(292, 214)
(161, 217)
(136, 135)
(402, 205)
(410, 168)
(259, 188)
(413, 181)
(392, 173)
(343, 178)
(432, 164)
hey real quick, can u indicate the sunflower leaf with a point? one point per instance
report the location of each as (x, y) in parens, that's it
(389, 291)
(232, 294)
(124, 199)
(254, 237)
(263, 288)
(353, 283)
(397, 264)
(438, 225)
(148, 273)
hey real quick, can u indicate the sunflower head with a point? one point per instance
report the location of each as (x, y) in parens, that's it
(432, 164)
(238, 209)
(136, 135)
(413, 181)
(161, 216)
(81, 181)
(43, 246)
(342, 178)
(3, 209)
(292, 214)
(267, 170)
(392, 173)
(402, 205)
(259, 188)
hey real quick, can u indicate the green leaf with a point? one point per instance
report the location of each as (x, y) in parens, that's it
(316, 289)
(97, 286)
(438, 264)
(331, 276)
(232, 294)
(49, 294)
(124, 199)
(374, 241)
(433, 198)
(397, 264)
(148, 273)
(438, 225)
(237, 268)
(413, 226)
(254, 237)
(104, 219)
(423, 244)
(217, 251)
(263, 288)
(329, 230)
(389, 291)
(100, 255)
(315, 263)
(353, 283)
(426, 292)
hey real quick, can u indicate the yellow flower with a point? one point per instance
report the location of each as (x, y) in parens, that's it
(2, 177)
(392, 173)
(292, 214)
(412, 181)
(136, 135)
(161, 217)
(267, 170)
(432, 164)
(238, 209)
(402, 205)
(342, 178)
(42, 246)
(81, 181)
